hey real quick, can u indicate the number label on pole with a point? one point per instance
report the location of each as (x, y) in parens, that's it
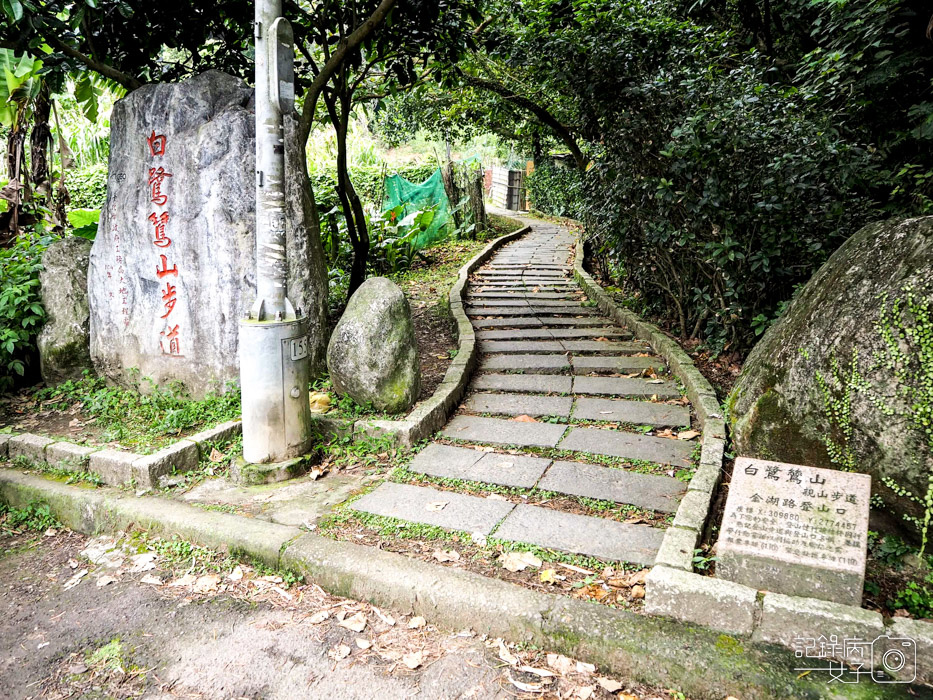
(283, 64)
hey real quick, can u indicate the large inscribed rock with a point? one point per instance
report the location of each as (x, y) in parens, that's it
(173, 267)
(841, 380)
(373, 354)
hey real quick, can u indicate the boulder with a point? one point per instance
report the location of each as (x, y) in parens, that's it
(373, 354)
(172, 270)
(842, 379)
(64, 342)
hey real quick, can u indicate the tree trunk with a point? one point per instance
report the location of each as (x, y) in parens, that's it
(454, 195)
(39, 140)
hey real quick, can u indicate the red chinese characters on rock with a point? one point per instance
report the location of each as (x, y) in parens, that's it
(170, 336)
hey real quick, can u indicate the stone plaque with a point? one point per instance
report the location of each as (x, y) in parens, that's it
(796, 530)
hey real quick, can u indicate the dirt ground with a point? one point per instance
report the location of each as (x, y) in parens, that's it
(157, 632)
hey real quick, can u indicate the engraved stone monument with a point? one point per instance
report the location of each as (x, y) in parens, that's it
(172, 270)
(797, 530)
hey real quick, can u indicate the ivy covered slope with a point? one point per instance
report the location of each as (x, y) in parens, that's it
(845, 378)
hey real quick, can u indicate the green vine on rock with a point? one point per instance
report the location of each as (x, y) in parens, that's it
(906, 329)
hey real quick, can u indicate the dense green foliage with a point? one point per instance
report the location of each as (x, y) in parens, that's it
(21, 312)
(557, 191)
(88, 187)
(725, 149)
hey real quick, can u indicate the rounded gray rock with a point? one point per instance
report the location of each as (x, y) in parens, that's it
(373, 354)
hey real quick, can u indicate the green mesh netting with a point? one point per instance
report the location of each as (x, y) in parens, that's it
(417, 197)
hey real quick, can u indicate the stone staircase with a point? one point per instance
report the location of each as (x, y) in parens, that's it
(561, 404)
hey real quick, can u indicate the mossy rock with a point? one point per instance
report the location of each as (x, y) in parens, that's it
(373, 354)
(778, 409)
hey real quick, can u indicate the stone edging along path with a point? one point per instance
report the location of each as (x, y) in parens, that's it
(428, 416)
(674, 590)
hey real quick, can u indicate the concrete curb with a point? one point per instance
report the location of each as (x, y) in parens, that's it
(697, 661)
(430, 416)
(672, 589)
(117, 467)
(681, 538)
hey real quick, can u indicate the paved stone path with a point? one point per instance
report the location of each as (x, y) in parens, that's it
(560, 404)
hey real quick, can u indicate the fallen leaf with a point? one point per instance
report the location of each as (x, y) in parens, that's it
(524, 419)
(655, 381)
(583, 667)
(357, 623)
(688, 434)
(447, 555)
(151, 580)
(106, 581)
(609, 685)
(319, 617)
(638, 592)
(388, 619)
(413, 660)
(505, 465)
(186, 580)
(506, 655)
(143, 562)
(236, 574)
(206, 583)
(560, 663)
(527, 687)
(51, 532)
(496, 497)
(436, 506)
(363, 643)
(341, 651)
(544, 673)
(585, 692)
(76, 579)
(216, 455)
(550, 576)
(416, 623)
(478, 538)
(639, 577)
(319, 402)
(519, 561)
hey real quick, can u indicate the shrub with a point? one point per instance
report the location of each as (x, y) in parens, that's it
(88, 187)
(557, 191)
(21, 312)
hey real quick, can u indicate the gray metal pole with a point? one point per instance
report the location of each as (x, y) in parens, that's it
(274, 371)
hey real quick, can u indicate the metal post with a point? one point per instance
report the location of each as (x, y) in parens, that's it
(274, 371)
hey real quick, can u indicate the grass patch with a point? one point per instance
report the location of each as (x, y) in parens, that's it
(144, 418)
(35, 517)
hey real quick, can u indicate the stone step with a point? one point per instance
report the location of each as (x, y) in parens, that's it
(521, 346)
(623, 386)
(616, 443)
(449, 462)
(634, 412)
(625, 363)
(525, 363)
(581, 534)
(600, 346)
(516, 322)
(498, 431)
(519, 404)
(526, 310)
(532, 383)
(525, 284)
(521, 294)
(581, 322)
(648, 491)
(419, 504)
(524, 301)
(551, 333)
